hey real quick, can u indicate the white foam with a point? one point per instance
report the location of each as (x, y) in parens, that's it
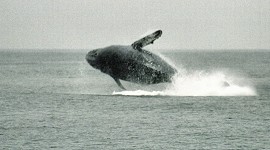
(200, 83)
(139, 93)
(208, 84)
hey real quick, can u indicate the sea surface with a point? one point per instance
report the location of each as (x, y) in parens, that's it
(54, 100)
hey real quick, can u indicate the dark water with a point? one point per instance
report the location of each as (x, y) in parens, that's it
(55, 100)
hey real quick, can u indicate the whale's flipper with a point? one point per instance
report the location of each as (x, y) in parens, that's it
(149, 39)
(119, 83)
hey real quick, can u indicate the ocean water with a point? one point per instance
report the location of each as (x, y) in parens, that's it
(55, 100)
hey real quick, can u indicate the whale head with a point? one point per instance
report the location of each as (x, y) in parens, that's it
(91, 57)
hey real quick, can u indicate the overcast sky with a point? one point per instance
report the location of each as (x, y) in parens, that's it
(186, 24)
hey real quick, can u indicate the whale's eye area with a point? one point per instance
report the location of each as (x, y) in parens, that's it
(95, 54)
(91, 56)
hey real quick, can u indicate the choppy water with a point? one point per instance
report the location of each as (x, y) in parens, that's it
(55, 100)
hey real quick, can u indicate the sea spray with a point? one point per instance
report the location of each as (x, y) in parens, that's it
(199, 83)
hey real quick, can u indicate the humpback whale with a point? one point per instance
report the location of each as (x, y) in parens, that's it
(132, 63)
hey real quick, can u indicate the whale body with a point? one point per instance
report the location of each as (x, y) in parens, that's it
(132, 63)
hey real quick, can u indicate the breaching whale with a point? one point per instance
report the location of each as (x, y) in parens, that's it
(132, 63)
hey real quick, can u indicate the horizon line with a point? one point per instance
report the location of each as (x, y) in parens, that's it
(156, 49)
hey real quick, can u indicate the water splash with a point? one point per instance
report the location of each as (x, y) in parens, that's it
(208, 84)
(200, 83)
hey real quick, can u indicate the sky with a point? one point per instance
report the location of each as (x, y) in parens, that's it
(89, 24)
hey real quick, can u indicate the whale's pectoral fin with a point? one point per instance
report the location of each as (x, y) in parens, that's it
(119, 83)
(149, 39)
